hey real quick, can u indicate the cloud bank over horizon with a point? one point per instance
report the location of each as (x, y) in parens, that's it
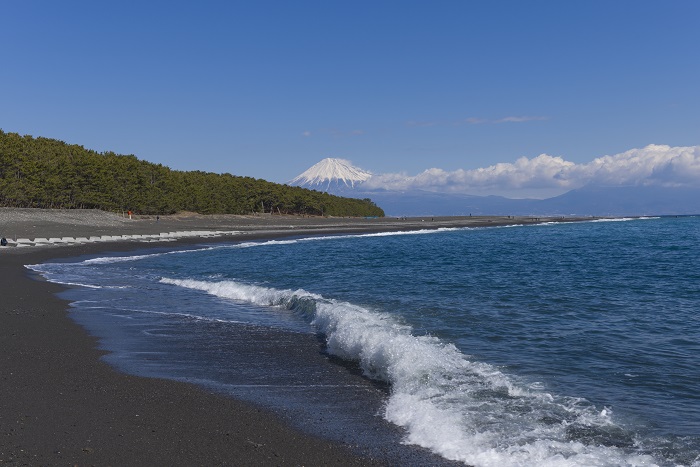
(546, 176)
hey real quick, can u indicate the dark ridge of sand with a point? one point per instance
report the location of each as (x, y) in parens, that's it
(46, 223)
(61, 405)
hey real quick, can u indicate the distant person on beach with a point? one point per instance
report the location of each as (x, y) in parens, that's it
(3, 242)
(129, 212)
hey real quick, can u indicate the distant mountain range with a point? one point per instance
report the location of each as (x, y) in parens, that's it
(338, 176)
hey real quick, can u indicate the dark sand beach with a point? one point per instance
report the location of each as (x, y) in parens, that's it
(60, 404)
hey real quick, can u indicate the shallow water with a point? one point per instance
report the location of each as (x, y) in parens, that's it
(559, 344)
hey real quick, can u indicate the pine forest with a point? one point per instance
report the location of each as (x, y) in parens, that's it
(48, 173)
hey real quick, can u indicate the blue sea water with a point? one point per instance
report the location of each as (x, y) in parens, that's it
(556, 344)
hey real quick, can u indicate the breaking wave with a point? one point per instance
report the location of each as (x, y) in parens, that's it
(462, 409)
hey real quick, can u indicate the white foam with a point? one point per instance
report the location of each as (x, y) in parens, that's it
(621, 219)
(464, 410)
(263, 296)
(123, 259)
(343, 237)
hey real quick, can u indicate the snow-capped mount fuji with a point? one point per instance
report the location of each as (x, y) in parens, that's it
(331, 175)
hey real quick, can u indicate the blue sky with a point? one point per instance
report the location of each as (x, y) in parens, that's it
(268, 88)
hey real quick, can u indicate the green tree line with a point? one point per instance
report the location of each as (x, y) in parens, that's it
(48, 173)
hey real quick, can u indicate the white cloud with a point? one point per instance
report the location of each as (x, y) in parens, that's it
(511, 119)
(546, 175)
(520, 119)
(425, 124)
(477, 121)
(333, 132)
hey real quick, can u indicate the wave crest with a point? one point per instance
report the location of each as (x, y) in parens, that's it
(463, 409)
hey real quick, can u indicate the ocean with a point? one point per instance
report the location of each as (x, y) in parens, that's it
(560, 344)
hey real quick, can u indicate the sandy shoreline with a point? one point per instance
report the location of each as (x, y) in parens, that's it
(61, 405)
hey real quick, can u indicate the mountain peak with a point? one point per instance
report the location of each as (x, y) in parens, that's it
(331, 171)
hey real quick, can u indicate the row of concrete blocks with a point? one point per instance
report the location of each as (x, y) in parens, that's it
(161, 237)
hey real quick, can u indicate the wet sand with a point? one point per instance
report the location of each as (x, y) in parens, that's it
(60, 404)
